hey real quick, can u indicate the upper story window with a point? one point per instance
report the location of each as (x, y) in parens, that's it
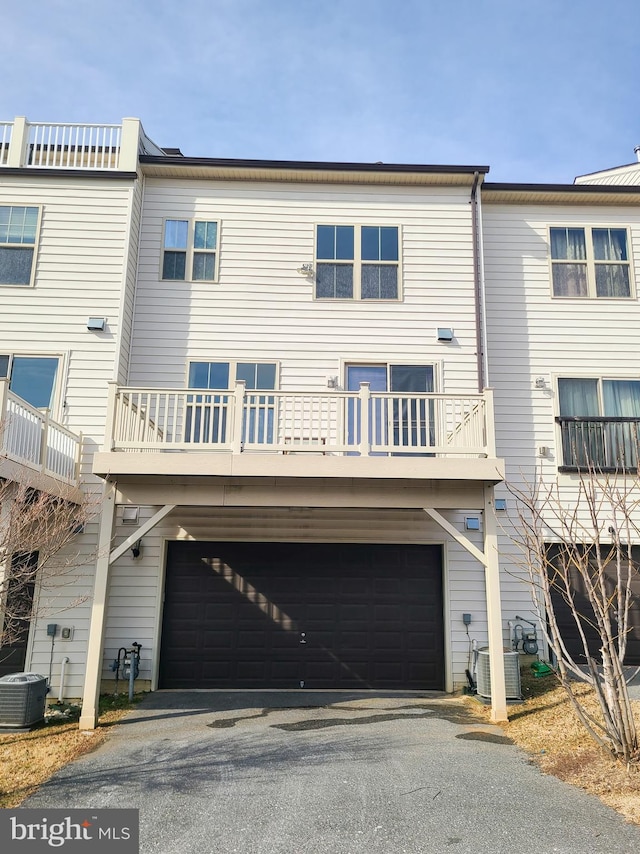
(18, 234)
(32, 378)
(590, 262)
(190, 250)
(357, 262)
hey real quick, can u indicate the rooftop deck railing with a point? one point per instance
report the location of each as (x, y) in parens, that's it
(60, 145)
(29, 436)
(365, 422)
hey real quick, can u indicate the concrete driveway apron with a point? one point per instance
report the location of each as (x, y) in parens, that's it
(332, 773)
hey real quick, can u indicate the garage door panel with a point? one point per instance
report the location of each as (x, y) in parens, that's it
(372, 615)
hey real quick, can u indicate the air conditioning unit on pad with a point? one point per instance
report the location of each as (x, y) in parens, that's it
(511, 674)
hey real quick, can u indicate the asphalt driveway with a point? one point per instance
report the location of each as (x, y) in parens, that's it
(330, 773)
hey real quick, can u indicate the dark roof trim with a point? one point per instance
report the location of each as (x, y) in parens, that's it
(69, 173)
(311, 165)
(580, 189)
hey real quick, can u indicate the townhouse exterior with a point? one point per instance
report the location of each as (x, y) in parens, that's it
(297, 388)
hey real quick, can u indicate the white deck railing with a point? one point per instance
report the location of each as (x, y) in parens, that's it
(332, 422)
(69, 146)
(30, 437)
(60, 145)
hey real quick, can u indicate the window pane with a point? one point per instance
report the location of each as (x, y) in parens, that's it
(204, 266)
(612, 280)
(334, 281)
(388, 244)
(570, 280)
(18, 224)
(621, 398)
(370, 243)
(246, 372)
(266, 376)
(379, 281)
(326, 247)
(412, 378)
(33, 379)
(610, 244)
(344, 242)
(15, 266)
(205, 235)
(335, 242)
(568, 244)
(174, 265)
(578, 397)
(4, 367)
(209, 375)
(175, 234)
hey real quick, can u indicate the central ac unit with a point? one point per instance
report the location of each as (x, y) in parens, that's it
(511, 674)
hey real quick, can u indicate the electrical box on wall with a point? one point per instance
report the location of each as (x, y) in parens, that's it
(66, 633)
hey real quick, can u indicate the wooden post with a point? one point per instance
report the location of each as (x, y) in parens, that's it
(494, 609)
(237, 421)
(93, 673)
(18, 145)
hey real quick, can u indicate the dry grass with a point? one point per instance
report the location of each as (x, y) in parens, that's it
(546, 727)
(27, 759)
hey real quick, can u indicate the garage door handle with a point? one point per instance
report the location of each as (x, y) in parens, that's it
(303, 637)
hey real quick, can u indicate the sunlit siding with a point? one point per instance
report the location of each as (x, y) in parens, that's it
(80, 268)
(261, 308)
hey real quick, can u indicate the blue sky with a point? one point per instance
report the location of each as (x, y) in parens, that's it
(539, 91)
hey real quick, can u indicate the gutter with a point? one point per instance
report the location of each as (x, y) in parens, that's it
(478, 281)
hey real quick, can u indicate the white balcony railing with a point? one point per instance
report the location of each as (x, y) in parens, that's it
(30, 437)
(333, 422)
(58, 145)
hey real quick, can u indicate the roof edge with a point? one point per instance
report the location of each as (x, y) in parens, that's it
(580, 189)
(312, 165)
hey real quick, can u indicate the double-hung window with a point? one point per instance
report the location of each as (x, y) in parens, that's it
(590, 262)
(18, 235)
(599, 422)
(357, 262)
(190, 250)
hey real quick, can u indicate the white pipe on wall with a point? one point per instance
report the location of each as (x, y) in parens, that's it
(63, 670)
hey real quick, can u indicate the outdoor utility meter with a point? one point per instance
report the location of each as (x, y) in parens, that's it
(52, 630)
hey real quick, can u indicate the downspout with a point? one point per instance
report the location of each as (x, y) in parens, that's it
(478, 281)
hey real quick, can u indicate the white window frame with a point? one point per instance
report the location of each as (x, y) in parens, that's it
(590, 261)
(60, 377)
(233, 369)
(357, 262)
(33, 246)
(191, 251)
(435, 364)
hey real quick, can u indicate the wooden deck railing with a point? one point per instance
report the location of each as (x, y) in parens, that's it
(333, 422)
(30, 437)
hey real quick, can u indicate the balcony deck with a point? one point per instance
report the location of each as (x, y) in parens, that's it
(35, 449)
(268, 433)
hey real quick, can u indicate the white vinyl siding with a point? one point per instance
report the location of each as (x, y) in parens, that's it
(263, 309)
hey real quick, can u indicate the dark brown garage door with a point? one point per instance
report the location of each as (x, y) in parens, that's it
(289, 615)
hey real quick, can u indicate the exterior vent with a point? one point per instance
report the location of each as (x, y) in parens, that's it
(511, 674)
(22, 699)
